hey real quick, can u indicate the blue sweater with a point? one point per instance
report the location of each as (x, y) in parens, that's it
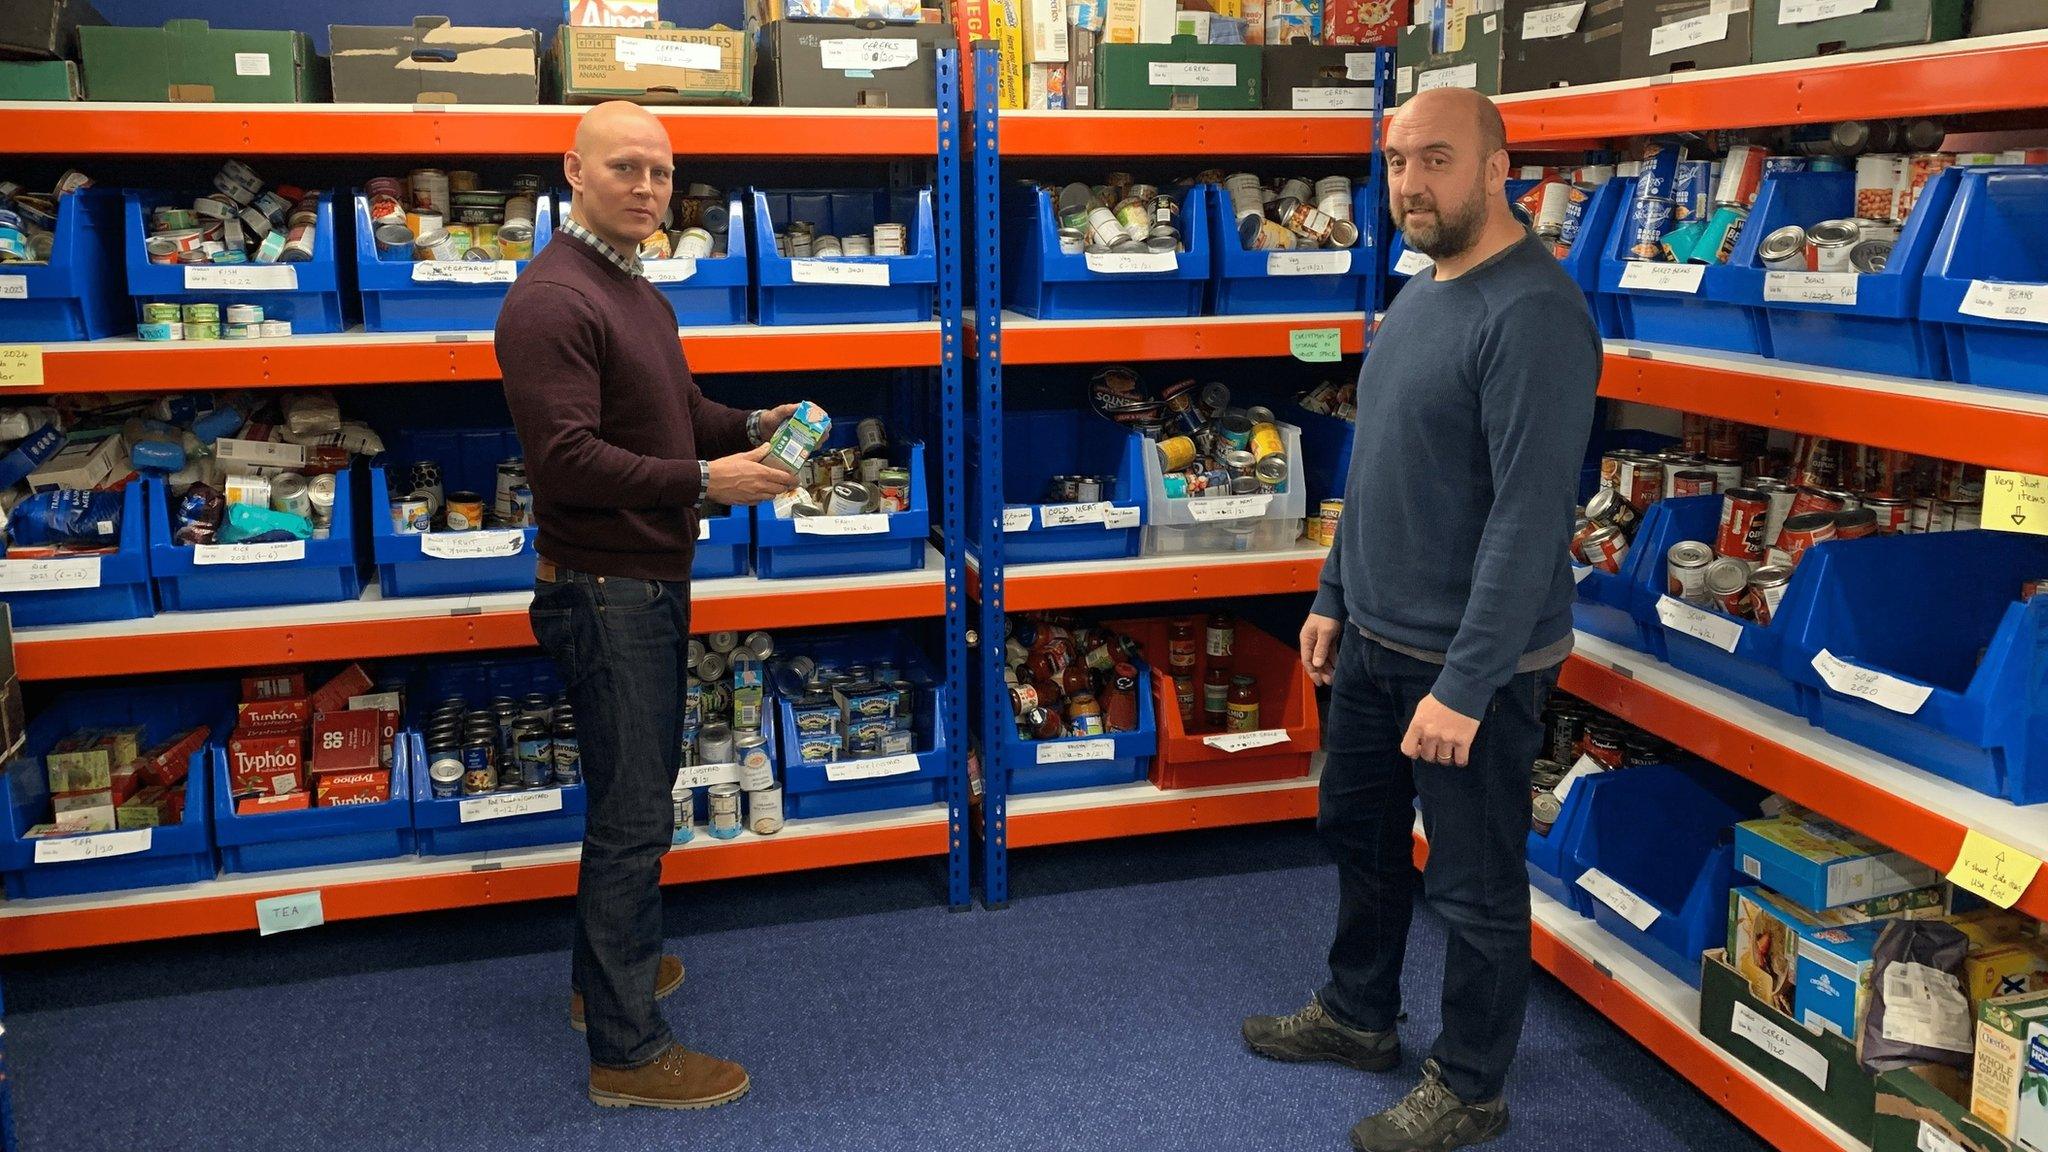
(1474, 407)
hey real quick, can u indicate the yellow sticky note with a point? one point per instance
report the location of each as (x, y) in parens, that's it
(1316, 345)
(2016, 502)
(1992, 870)
(21, 365)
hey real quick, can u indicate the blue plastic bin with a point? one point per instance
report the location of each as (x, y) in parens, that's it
(82, 293)
(1244, 284)
(1129, 761)
(177, 854)
(1552, 870)
(312, 837)
(326, 574)
(1996, 232)
(1582, 263)
(394, 302)
(1325, 463)
(469, 462)
(781, 549)
(1985, 721)
(1065, 442)
(1716, 317)
(703, 292)
(315, 306)
(1041, 281)
(1881, 331)
(1614, 606)
(123, 592)
(438, 823)
(1755, 669)
(808, 789)
(913, 277)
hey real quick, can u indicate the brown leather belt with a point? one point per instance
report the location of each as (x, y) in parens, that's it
(547, 570)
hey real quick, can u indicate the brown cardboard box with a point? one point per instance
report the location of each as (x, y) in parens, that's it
(804, 63)
(434, 62)
(653, 65)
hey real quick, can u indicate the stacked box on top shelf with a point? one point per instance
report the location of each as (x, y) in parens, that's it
(1073, 487)
(1330, 77)
(433, 61)
(1785, 32)
(801, 279)
(1449, 57)
(40, 80)
(128, 767)
(1315, 259)
(534, 795)
(862, 505)
(1180, 75)
(295, 282)
(1663, 37)
(815, 63)
(450, 277)
(186, 61)
(1983, 283)
(422, 549)
(660, 66)
(77, 290)
(1268, 731)
(860, 743)
(1081, 712)
(699, 263)
(1548, 44)
(1078, 254)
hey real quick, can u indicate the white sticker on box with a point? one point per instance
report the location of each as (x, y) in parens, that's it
(1068, 515)
(252, 63)
(1580, 572)
(2024, 303)
(867, 54)
(1932, 1139)
(13, 287)
(1333, 99)
(1076, 751)
(1209, 509)
(465, 272)
(508, 804)
(703, 530)
(1811, 287)
(242, 277)
(1120, 263)
(1121, 518)
(1926, 1007)
(1584, 768)
(1626, 904)
(1017, 519)
(668, 271)
(633, 51)
(1358, 65)
(275, 552)
(1652, 277)
(1720, 631)
(705, 775)
(1866, 684)
(1187, 74)
(49, 575)
(1680, 35)
(1308, 263)
(1244, 741)
(70, 849)
(1413, 263)
(839, 272)
(1789, 1049)
(484, 544)
(858, 524)
(1404, 81)
(841, 770)
(1808, 11)
(1462, 76)
(1545, 23)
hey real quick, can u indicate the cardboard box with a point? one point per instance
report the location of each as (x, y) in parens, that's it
(1120, 22)
(13, 722)
(266, 765)
(257, 805)
(890, 11)
(186, 61)
(2033, 1118)
(387, 706)
(1925, 1106)
(1367, 22)
(1820, 864)
(2014, 969)
(1082, 45)
(40, 80)
(44, 30)
(653, 65)
(333, 695)
(79, 763)
(1294, 21)
(271, 716)
(1045, 31)
(1834, 970)
(169, 762)
(341, 789)
(1006, 28)
(1995, 17)
(1046, 86)
(1654, 44)
(1304, 77)
(253, 456)
(347, 741)
(611, 13)
(1181, 76)
(148, 808)
(1820, 1071)
(1549, 44)
(1892, 24)
(434, 62)
(1992, 926)
(1474, 65)
(82, 465)
(278, 685)
(818, 64)
(2001, 1061)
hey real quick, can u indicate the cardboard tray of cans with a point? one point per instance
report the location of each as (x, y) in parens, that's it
(907, 761)
(311, 571)
(1289, 729)
(1299, 267)
(836, 545)
(521, 815)
(140, 857)
(844, 289)
(70, 589)
(309, 837)
(705, 285)
(1079, 277)
(456, 556)
(306, 293)
(1980, 287)
(77, 291)
(410, 288)
(1072, 487)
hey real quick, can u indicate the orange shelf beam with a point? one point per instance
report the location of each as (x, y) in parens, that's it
(1194, 338)
(1025, 134)
(1025, 590)
(1173, 814)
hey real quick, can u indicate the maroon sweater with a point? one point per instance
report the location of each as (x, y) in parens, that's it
(611, 422)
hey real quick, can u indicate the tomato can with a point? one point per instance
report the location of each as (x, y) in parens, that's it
(1893, 513)
(1331, 513)
(1855, 523)
(1695, 482)
(1767, 590)
(1643, 481)
(1727, 587)
(1745, 512)
(1781, 496)
(1802, 532)
(1813, 499)
(1686, 566)
(1605, 548)
(1742, 175)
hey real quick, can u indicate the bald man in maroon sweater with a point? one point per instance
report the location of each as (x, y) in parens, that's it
(623, 452)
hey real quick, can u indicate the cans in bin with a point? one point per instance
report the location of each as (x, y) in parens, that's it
(1742, 175)
(1744, 514)
(1657, 174)
(1692, 191)
(1685, 566)
(1649, 219)
(1724, 228)
(410, 515)
(683, 814)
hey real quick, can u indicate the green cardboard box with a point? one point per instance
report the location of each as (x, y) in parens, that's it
(39, 80)
(1892, 24)
(1996, 17)
(1180, 76)
(1475, 66)
(1928, 1098)
(186, 61)
(1819, 1071)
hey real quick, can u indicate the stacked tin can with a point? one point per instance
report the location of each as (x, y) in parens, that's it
(801, 239)
(162, 320)
(1118, 215)
(1289, 213)
(694, 226)
(1207, 448)
(509, 744)
(856, 710)
(239, 222)
(1070, 677)
(28, 220)
(426, 505)
(849, 481)
(435, 215)
(1578, 736)
(726, 707)
(1692, 211)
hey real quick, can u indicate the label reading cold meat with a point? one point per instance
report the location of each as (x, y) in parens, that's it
(1076, 751)
(68, 849)
(1811, 287)
(1210, 509)
(49, 575)
(1308, 263)
(1184, 74)
(1683, 34)
(1646, 276)
(2021, 303)
(1067, 515)
(1866, 684)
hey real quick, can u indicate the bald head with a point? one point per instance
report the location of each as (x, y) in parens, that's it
(622, 171)
(1447, 167)
(617, 121)
(1460, 108)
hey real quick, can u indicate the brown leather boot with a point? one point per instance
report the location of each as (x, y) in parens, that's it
(667, 979)
(678, 1078)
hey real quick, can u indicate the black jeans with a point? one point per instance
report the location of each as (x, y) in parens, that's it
(621, 647)
(1477, 821)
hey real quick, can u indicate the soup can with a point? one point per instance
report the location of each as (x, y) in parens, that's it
(1686, 565)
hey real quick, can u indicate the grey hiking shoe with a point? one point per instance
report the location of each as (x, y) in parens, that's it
(1430, 1119)
(1311, 1034)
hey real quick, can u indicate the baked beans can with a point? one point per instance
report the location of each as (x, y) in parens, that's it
(1784, 249)
(1767, 590)
(1331, 514)
(1723, 232)
(1828, 244)
(1815, 499)
(1604, 548)
(1727, 587)
(1802, 532)
(1649, 221)
(1657, 173)
(1692, 191)
(1920, 168)
(1686, 567)
(1878, 177)
(1745, 512)
(1893, 514)
(1742, 175)
(1611, 508)
(1695, 482)
(1855, 523)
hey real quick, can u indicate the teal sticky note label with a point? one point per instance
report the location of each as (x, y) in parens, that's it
(1316, 345)
(289, 913)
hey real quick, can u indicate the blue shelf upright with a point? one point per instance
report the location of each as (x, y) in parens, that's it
(988, 527)
(953, 515)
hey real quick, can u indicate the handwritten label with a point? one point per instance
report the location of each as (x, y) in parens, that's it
(1358, 65)
(858, 524)
(1808, 11)
(1333, 99)
(1404, 81)
(1790, 1050)
(1626, 904)
(1121, 518)
(1243, 741)
(1316, 345)
(1811, 287)
(1720, 631)
(2021, 303)
(867, 54)
(705, 775)
(21, 365)
(71, 849)
(668, 271)
(49, 575)
(1208, 509)
(489, 543)
(839, 770)
(276, 552)
(2016, 502)
(1584, 768)
(1123, 263)
(839, 272)
(1992, 870)
(1867, 684)
(1308, 263)
(465, 272)
(13, 287)
(1076, 751)
(1932, 1139)
(1017, 519)
(276, 914)
(1677, 37)
(243, 277)
(633, 51)
(1462, 76)
(1646, 276)
(1182, 74)
(1580, 572)
(1544, 23)
(1413, 263)
(1067, 515)
(252, 63)
(508, 804)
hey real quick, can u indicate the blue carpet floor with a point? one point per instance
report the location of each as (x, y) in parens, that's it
(1099, 1012)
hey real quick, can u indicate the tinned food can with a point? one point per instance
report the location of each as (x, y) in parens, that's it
(1649, 220)
(1695, 482)
(1604, 547)
(764, 811)
(1727, 586)
(1744, 514)
(1767, 590)
(1800, 533)
(1331, 513)
(1784, 249)
(1686, 565)
(724, 805)
(1611, 508)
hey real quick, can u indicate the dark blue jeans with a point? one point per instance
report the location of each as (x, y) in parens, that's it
(1477, 821)
(621, 647)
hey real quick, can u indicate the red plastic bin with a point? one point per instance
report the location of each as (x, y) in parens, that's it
(1287, 703)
